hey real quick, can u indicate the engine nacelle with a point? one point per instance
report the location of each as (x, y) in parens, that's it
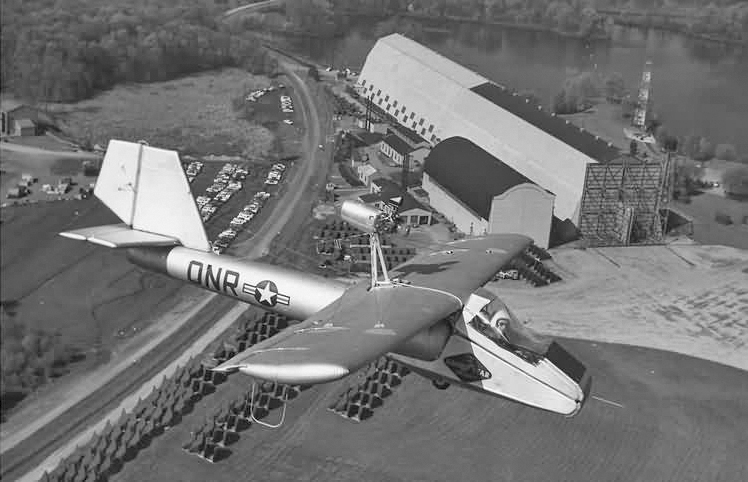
(427, 344)
(365, 218)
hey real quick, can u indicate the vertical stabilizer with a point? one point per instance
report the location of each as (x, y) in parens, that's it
(147, 188)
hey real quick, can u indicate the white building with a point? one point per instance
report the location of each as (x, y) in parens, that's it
(482, 195)
(438, 98)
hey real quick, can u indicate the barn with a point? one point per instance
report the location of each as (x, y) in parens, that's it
(439, 99)
(481, 194)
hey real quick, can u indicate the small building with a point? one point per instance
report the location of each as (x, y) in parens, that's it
(395, 148)
(18, 119)
(375, 127)
(25, 127)
(409, 136)
(365, 173)
(482, 195)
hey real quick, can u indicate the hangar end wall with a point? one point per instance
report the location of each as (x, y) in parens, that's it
(452, 208)
(524, 209)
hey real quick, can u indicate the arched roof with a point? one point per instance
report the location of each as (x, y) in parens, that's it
(476, 178)
(439, 98)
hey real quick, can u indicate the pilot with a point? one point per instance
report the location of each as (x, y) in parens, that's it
(500, 327)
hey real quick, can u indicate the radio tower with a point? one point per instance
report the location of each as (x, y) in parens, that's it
(639, 118)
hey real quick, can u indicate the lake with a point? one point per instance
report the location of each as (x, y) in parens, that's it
(698, 87)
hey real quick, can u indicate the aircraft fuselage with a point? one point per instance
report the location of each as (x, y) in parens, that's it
(291, 293)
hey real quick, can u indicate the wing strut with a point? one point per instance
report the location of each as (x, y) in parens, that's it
(377, 261)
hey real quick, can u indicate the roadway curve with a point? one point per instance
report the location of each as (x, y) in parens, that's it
(26, 453)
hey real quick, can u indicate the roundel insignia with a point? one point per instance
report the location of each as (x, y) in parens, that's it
(266, 293)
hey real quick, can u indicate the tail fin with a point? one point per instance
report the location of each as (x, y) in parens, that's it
(148, 190)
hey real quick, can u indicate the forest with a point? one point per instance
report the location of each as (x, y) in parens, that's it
(28, 358)
(721, 19)
(67, 50)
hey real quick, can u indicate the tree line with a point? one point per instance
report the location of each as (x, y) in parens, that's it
(722, 19)
(718, 19)
(66, 50)
(28, 358)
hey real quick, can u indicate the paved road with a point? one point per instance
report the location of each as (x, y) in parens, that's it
(38, 151)
(23, 448)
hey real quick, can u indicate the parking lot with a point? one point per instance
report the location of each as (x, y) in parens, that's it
(231, 194)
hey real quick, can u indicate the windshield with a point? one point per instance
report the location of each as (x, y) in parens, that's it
(499, 323)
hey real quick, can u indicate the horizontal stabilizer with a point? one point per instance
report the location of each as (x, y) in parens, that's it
(119, 236)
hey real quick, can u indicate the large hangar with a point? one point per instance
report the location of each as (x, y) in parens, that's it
(482, 195)
(439, 98)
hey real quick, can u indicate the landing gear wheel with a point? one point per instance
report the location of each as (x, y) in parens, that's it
(440, 384)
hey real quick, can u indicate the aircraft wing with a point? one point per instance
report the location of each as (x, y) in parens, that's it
(460, 267)
(364, 324)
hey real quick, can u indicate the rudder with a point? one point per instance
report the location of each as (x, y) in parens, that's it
(147, 189)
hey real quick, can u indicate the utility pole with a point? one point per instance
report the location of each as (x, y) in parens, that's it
(404, 173)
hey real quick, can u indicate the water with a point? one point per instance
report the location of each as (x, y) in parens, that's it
(698, 87)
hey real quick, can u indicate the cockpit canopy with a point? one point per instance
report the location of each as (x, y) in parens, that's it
(495, 318)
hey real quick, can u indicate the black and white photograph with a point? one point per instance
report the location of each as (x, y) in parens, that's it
(374, 240)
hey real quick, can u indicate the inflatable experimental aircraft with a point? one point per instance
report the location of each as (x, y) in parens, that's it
(430, 313)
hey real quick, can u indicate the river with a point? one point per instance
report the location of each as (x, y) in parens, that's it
(698, 87)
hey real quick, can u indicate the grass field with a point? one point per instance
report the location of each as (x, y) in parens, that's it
(74, 288)
(93, 296)
(706, 230)
(192, 114)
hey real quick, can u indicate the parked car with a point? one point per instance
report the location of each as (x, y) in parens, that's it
(507, 274)
(219, 246)
(227, 234)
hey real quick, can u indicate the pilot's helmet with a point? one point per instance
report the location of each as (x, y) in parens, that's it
(502, 325)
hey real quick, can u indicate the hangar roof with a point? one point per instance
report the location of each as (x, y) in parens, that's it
(559, 128)
(437, 91)
(476, 179)
(431, 60)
